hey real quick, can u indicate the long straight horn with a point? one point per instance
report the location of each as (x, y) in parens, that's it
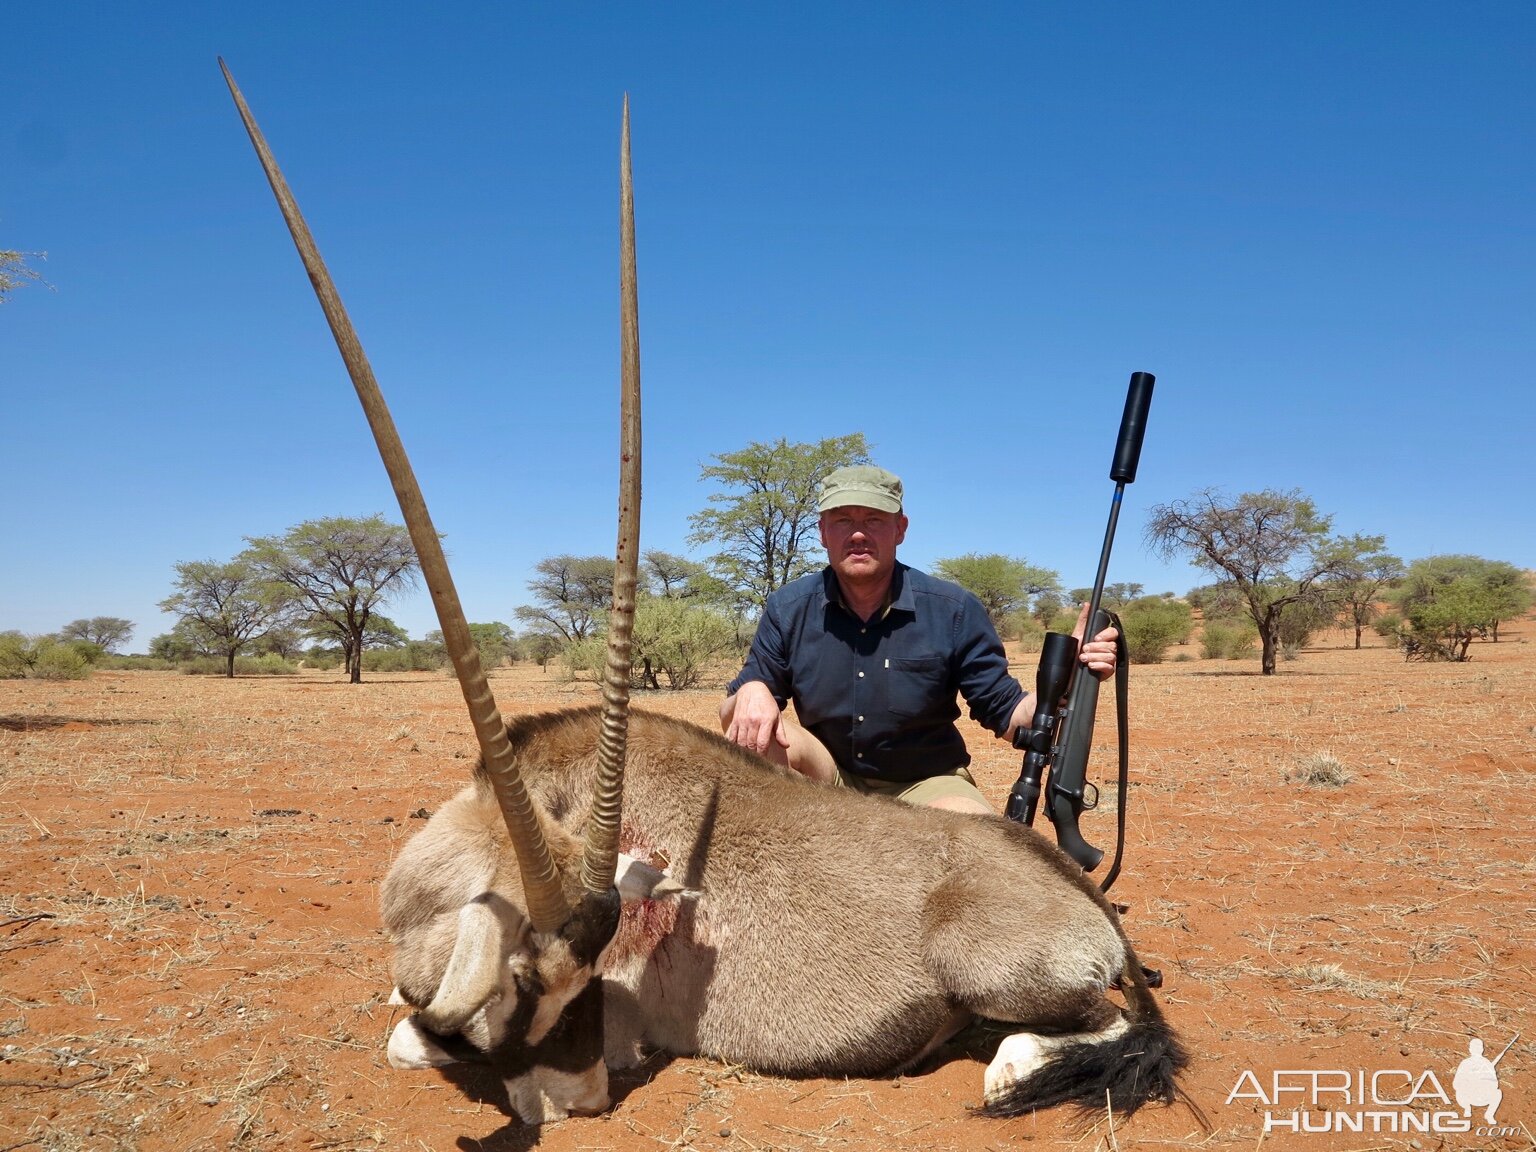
(547, 906)
(602, 847)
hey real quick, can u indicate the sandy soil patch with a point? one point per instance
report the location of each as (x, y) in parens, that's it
(190, 955)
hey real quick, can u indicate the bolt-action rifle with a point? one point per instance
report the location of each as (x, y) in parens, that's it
(1059, 738)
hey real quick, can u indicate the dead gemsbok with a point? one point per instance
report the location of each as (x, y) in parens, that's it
(562, 915)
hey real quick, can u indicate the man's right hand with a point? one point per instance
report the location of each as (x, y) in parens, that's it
(755, 719)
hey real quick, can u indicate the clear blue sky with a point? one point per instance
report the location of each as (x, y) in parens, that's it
(957, 228)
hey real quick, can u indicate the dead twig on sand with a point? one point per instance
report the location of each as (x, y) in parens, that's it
(101, 1073)
(19, 922)
(27, 944)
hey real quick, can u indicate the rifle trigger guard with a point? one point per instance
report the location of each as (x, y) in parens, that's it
(1085, 801)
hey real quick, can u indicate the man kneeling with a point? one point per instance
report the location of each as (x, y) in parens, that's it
(873, 654)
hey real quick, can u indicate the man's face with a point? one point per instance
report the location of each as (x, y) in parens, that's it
(861, 542)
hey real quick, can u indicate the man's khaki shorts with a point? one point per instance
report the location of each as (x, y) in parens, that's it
(917, 792)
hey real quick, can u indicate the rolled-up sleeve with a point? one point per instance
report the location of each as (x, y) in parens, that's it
(990, 691)
(767, 660)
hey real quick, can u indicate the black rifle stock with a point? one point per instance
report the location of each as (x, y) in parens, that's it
(1060, 736)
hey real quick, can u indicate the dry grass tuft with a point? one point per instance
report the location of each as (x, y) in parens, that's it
(1333, 978)
(1321, 770)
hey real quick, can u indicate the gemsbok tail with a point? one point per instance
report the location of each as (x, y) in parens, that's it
(1134, 1066)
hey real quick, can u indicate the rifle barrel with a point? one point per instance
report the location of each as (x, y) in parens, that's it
(1506, 1048)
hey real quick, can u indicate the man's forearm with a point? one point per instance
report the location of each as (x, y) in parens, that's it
(751, 716)
(1023, 717)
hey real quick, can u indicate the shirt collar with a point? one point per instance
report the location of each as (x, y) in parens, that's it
(898, 597)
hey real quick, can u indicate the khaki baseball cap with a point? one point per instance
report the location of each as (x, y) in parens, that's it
(863, 485)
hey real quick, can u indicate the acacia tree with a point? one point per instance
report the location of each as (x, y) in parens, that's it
(379, 632)
(1510, 588)
(183, 642)
(679, 578)
(14, 271)
(571, 596)
(540, 647)
(1366, 574)
(222, 608)
(1003, 584)
(1449, 601)
(284, 641)
(106, 632)
(1113, 594)
(495, 641)
(1272, 546)
(340, 570)
(764, 518)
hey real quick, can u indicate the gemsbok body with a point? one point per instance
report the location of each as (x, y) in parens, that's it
(818, 932)
(609, 885)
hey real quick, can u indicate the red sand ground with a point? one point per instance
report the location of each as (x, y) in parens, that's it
(190, 955)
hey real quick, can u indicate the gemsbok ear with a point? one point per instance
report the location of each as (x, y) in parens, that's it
(490, 928)
(637, 880)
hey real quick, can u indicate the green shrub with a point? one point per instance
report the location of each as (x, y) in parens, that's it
(1064, 621)
(45, 657)
(1298, 623)
(88, 651)
(62, 662)
(1228, 639)
(1152, 625)
(1389, 626)
(677, 639)
(1025, 631)
(322, 658)
(136, 663)
(15, 655)
(269, 665)
(585, 656)
(413, 656)
(495, 642)
(180, 643)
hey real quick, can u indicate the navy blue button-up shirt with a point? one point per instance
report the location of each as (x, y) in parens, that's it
(881, 695)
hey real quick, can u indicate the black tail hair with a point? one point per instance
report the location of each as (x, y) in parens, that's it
(1124, 1072)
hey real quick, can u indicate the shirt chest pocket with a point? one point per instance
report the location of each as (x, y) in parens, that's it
(916, 684)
